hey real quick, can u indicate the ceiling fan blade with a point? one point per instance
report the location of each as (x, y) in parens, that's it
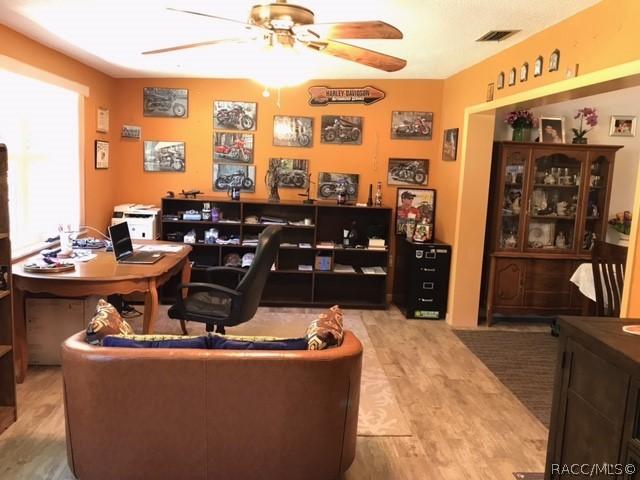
(361, 55)
(199, 44)
(371, 29)
(247, 26)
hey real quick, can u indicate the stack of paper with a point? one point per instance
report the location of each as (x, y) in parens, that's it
(373, 270)
(305, 268)
(343, 268)
(325, 245)
(304, 245)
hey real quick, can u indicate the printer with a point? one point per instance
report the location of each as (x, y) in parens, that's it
(143, 220)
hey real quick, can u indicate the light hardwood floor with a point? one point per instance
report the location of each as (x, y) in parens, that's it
(465, 423)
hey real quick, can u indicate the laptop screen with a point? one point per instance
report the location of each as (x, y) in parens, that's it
(121, 239)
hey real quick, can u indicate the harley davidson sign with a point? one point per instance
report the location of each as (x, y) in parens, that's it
(321, 96)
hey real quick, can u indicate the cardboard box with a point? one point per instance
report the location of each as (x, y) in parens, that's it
(50, 321)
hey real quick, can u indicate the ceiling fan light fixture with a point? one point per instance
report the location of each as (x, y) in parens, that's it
(281, 66)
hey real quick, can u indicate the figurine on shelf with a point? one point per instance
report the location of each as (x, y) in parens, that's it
(272, 179)
(561, 240)
(511, 241)
(307, 193)
(378, 200)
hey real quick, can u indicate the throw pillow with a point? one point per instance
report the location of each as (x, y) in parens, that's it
(106, 321)
(326, 330)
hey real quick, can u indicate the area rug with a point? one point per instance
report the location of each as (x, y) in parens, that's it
(379, 413)
(523, 361)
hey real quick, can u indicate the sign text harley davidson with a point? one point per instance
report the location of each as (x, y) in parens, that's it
(321, 96)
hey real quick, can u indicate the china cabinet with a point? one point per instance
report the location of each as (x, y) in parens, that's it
(548, 203)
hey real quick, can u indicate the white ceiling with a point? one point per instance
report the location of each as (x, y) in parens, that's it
(439, 35)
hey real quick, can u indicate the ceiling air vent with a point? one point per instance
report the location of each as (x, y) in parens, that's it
(496, 35)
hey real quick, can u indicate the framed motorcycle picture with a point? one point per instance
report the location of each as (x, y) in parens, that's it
(292, 172)
(232, 115)
(292, 131)
(411, 125)
(407, 171)
(164, 156)
(414, 207)
(233, 147)
(330, 185)
(229, 175)
(165, 102)
(341, 130)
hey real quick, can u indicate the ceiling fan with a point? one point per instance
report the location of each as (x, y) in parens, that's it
(286, 24)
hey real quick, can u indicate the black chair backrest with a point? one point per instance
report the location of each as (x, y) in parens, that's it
(252, 283)
(608, 264)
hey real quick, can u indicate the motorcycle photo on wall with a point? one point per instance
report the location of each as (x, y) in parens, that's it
(233, 147)
(332, 184)
(235, 115)
(165, 102)
(411, 125)
(341, 130)
(164, 156)
(407, 171)
(292, 131)
(292, 172)
(227, 175)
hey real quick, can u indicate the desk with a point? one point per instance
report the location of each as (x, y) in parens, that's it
(100, 276)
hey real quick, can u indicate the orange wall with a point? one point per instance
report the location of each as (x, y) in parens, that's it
(98, 183)
(369, 159)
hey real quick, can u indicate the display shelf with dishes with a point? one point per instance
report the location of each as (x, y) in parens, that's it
(340, 234)
(546, 208)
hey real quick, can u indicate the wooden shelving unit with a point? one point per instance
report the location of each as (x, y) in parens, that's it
(287, 285)
(7, 372)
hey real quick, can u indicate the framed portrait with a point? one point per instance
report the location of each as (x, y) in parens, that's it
(537, 67)
(512, 77)
(489, 92)
(232, 115)
(160, 156)
(341, 130)
(524, 72)
(551, 130)
(102, 154)
(407, 171)
(450, 145)
(554, 60)
(411, 125)
(233, 147)
(292, 131)
(622, 126)
(227, 175)
(131, 131)
(415, 202)
(292, 172)
(329, 184)
(500, 82)
(102, 125)
(165, 102)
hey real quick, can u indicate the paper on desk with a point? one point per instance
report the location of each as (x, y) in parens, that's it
(166, 248)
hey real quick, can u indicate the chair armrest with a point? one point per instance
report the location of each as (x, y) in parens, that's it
(212, 270)
(233, 294)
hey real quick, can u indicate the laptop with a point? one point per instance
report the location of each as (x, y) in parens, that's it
(123, 248)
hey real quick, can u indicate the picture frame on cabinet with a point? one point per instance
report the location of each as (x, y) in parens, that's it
(102, 154)
(407, 125)
(164, 156)
(537, 66)
(420, 202)
(131, 131)
(500, 82)
(291, 131)
(450, 145)
(227, 175)
(232, 115)
(554, 60)
(551, 129)
(292, 172)
(102, 125)
(233, 147)
(512, 77)
(622, 126)
(407, 171)
(165, 102)
(524, 72)
(330, 184)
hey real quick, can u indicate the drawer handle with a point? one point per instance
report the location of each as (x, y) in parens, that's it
(425, 269)
(426, 300)
(429, 254)
(427, 285)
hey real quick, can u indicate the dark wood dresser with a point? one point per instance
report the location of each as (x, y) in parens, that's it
(595, 418)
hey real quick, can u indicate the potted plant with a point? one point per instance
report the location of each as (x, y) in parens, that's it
(621, 223)
(590, 117)
(520, 120)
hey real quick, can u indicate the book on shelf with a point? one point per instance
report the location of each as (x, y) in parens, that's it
(338, 267)
(304, 245)
(288, 244)
(272, 220)
(373, 270)
(305, 268)
(325, 245)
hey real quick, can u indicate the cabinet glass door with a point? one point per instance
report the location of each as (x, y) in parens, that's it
(513, 180)
(595, 216)
(554, 200)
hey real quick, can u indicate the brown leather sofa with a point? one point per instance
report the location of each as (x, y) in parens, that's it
(156, 414)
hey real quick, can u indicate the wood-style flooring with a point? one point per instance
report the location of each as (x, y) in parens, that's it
(465, 423)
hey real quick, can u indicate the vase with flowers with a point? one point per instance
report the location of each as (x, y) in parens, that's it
(621, 223)
(521, 121)
(590, 117)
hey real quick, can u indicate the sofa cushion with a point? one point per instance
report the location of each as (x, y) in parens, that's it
(106, 321)
(156, 341)
(326, 330)
(232, 342)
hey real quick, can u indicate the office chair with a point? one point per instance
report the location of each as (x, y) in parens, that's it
(608, 263)
(218, 306)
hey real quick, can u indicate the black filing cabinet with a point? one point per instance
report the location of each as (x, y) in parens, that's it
(421, 278)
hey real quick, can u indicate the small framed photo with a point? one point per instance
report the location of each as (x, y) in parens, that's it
(329, 184)
(164, 156)
(512, 77)
(500, 82)
(551, 130)
(623, 126)
(407, 171)
(292, 131)
(415, 202)
(411, 125)
(232, 115)
(524, 72)
(554, 60)
(102, 125)
(489, 92)
(102, 154)
(131, 131)
(233, 147)
(292, 172)
(537, 67)
(165, 102)
(450, 145)
(341, 130)
(227, 175)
